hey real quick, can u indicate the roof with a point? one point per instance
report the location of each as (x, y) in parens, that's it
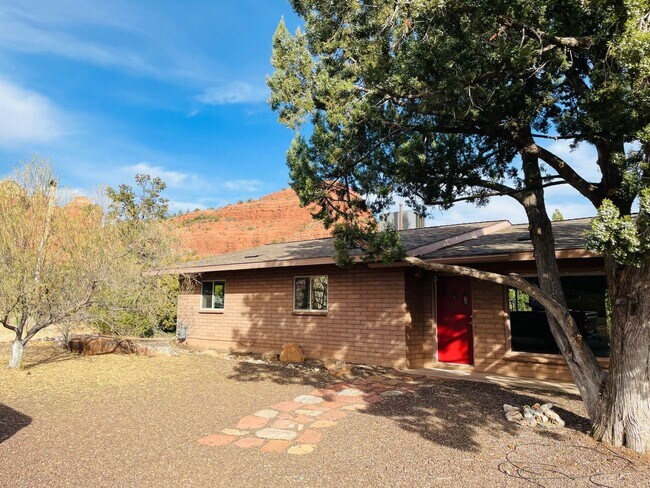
(491, 240)
(321, 251)
(568, 234)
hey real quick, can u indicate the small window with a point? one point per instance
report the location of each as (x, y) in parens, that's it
(213, 295)
(310, 293)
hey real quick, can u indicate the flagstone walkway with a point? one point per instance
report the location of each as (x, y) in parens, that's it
(297, 426)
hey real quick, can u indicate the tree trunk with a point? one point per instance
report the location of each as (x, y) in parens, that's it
(586, 371)
(625, 403)
(16, 360)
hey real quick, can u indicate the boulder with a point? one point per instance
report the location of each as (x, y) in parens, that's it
(291, 353)
(270, 356)
(92, 345)
(337, 368)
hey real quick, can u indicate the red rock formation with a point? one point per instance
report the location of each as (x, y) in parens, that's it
(277, 217)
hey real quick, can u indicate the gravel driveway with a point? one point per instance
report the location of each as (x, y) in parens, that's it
(137, 421)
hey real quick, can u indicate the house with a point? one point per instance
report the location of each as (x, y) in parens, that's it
(399, 316)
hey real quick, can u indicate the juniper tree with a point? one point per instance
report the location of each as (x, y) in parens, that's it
(439, 101)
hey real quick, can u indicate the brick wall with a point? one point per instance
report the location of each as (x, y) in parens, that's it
(419, 330)
(381, 316)
(365, 321)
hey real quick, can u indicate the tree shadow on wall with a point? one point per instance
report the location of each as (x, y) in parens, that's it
(11, 421)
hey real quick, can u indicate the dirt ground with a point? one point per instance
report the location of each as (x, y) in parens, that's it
(135, 421)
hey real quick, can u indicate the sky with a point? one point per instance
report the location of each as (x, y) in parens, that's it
(107, 90)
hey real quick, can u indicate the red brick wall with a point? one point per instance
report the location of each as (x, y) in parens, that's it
(365, 321)
(419, 331)
(381, 316)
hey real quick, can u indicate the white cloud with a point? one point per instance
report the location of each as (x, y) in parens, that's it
(242, 185)
(172, 178)
(27, 116)
(234, 93)
(176, 205)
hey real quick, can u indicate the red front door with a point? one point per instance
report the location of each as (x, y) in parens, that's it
(454, 318)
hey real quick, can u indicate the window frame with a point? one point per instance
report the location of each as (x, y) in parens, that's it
(310, 279)
(213, 309)
(546, 357)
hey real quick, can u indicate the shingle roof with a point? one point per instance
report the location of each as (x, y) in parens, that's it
(568, 234)
(324, 248)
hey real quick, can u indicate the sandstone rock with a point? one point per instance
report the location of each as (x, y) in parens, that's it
(514, 416)
(308, 399)
(92, 345)
(309, 413)
(350, 392)
(291, 353)
(235, 432)
(270, 356)
(528, 422)
(546, 407)
(536, 406)
(301, 449)
(508, 408)
(555, 418)
(266, 414)
(337, 368)
(392, 393)
(277, 434)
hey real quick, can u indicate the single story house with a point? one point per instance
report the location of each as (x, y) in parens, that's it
(399, 316)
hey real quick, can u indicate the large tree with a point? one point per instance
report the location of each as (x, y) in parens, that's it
(439, 101)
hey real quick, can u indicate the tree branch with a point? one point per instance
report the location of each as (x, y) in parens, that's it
(557, 311)
(591, 191)
(550, 39)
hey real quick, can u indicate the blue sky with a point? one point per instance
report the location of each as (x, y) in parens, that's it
(106, 90)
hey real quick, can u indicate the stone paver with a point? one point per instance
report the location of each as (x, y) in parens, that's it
(308, 399)
(275, 446)
(283, 424)
(288, 406)
(351, 392)
(235, 432)
(302, 449)
(248, 442)
(278, 434)
(252, 422)
(217, 440)
(310, 436)
(267, 414)
(392, 393)
(308, 413)
(298, 426)
(323, 424)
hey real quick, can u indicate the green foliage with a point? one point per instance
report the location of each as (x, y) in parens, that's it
(140, 301)
(435, 100)
(557, 216)
(624, 237)
(143, 203)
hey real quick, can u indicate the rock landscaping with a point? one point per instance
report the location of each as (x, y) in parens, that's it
(300, 423)
(542, 415)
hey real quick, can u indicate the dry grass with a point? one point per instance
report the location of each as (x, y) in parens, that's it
(118, 420)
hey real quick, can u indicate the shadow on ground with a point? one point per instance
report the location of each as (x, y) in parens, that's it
(11, 421)
(280, 374)
(454, 413)
(447, 412)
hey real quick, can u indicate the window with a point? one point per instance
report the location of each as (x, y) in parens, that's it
(586, 297)
(310, 293)
(213, 295)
